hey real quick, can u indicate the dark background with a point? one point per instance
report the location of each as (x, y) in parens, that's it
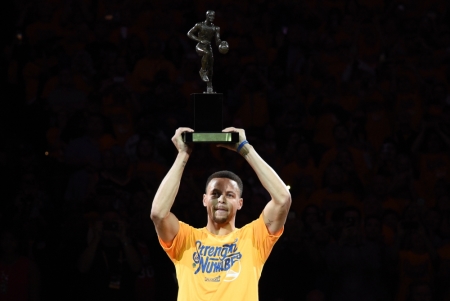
(347, 100)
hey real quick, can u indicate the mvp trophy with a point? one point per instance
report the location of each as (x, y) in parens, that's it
(208, 105)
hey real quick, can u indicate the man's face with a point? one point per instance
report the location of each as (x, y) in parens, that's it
(373, 229)
(94, 126)
(222, 200)
(422, 293)
(341, 134)
(210, 17)
(109, 236)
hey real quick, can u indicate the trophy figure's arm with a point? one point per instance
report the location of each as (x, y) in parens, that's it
(192, 33)
(218, 40)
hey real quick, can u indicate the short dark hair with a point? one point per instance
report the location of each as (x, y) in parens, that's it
(229, 175)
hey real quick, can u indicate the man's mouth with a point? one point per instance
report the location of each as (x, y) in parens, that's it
(222, 209)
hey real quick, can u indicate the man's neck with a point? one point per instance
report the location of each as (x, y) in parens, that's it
(9, 259)
(342, 145)
(220, 229)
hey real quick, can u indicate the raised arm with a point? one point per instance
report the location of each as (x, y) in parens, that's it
(277, 209)
(166, 223)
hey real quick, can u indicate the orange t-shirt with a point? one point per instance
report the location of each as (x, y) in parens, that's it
(145, 70)
(433, 167)
(291, 172)
(413, 267)
(220, 267)
(329, 201)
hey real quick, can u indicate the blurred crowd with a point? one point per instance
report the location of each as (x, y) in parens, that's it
(348, 101)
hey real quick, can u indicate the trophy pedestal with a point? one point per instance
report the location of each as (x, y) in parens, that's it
(208, 120)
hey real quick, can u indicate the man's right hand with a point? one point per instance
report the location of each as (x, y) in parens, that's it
(205, 42)
(97, 231)
(177, 140)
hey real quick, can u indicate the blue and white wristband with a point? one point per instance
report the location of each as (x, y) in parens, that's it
(241, 145)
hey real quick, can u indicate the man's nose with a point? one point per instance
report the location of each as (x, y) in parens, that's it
(221, 199)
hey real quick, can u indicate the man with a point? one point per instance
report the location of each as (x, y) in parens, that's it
(219, 261)
(203, 33)
(110, 262)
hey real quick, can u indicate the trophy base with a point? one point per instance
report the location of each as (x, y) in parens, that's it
(207, 122)
(211, 137)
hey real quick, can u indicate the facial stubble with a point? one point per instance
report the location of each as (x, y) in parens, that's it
(218, 220)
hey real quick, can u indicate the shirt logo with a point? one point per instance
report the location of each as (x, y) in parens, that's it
(215, 259)
(215, 279)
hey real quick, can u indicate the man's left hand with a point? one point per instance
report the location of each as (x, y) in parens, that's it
(241, 138)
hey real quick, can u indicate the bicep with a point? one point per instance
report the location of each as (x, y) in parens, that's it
(275, 216)
(167, 228)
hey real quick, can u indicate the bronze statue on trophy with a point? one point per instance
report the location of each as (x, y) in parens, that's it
(203, 33)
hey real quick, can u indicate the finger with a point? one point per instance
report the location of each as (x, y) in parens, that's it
(179, 131)
(230, 129)
(184, 129)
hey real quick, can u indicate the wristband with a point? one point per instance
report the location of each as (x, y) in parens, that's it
(241, 145)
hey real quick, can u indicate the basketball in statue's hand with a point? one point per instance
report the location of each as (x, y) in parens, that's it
(224, 47)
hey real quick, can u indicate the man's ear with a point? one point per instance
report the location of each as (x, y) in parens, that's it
(204, 200)
(241, 203)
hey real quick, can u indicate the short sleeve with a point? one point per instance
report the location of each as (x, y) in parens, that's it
(263, 239)
(179, 244)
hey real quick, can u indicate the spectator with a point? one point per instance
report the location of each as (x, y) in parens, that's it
(342, 140)
(145, 69)
(333, 195)
(19, 276)
(86, 150)
(404, 135)
(110, 261)
(147, 169)
(420, 291)
(417, 258)
(315, 295)
(356, 265)
(66, 96)
(373, 230)
(365, 82)
(84, 156)
(253, 112)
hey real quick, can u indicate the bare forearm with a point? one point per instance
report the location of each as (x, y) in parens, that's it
(86, 259)
(418, 142)
(132, 257)
(35, 283)
(444, 138)
(431, 250)
(218, 40)
(268, 177)
(167, 191)
(191, 34)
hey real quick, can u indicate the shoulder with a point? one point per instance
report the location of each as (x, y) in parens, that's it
(188, 230)
(257, 224)
(186, 226)
(83, 140)
(23, 262)
(142, 64)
